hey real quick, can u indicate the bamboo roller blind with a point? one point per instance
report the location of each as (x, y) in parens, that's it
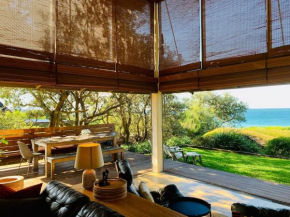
(280, 26)
(135, 30)
(240, 44)
(27, 25)
(179, 33)
(108, 44)
(79, 43)
(86, 29)
(233, 28)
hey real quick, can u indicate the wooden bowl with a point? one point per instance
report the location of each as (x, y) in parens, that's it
(115, 191)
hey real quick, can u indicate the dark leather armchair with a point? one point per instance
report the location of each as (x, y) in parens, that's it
(241, 210)
(162, 196)
(124, 171)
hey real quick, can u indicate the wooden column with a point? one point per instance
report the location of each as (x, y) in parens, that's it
(156, 106)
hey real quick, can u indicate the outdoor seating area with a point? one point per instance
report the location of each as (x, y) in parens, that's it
(70, 51)
(176, 153)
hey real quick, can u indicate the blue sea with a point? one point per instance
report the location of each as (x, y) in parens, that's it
(267, 117)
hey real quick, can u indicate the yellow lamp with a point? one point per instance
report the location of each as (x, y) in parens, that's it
(89, 157)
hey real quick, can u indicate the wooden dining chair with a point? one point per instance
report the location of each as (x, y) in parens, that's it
(27, 155)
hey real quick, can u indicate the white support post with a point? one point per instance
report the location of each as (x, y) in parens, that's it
(156, 106)
(157, 148)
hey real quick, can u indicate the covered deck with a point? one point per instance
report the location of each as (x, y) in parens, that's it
(151, 47)
(221, 189)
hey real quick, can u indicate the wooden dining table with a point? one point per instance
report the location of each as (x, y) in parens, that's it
(48, 142)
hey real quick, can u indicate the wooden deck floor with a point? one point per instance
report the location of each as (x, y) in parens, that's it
(66, 173)
(141, 164)
(268, 190)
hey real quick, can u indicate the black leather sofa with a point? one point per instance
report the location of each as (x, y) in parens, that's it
(241, 210)
(161, 196)
(56, 200)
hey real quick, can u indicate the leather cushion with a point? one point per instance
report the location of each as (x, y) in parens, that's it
(124, 170)
(169, 192)
(32, 207)
(156, 196)
(94, 209)
(144, 192)
(132, 190)
(249, 210)
(62, 200)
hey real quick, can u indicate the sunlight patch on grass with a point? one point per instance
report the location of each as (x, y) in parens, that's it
(265, 168)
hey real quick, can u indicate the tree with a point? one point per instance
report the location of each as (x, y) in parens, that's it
(13, 120)
(142, 110)
(62, 107)
(89, 107)
(208, 110)
(125, 113)
(173, 115)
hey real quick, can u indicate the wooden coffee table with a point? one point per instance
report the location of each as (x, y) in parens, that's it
(132, 205)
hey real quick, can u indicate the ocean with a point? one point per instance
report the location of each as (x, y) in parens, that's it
(267, 117)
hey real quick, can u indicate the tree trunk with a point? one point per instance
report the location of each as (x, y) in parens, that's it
(126, 124)
(55, 115)
(145, 135)
(77, 113)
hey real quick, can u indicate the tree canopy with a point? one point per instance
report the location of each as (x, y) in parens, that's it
(208, 110)
(131, 113)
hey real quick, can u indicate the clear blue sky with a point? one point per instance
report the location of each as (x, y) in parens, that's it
(259, 97)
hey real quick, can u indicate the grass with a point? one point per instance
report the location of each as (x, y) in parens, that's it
(260, 134)
(265, 168)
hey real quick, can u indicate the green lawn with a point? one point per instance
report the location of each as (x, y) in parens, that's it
(271, 169)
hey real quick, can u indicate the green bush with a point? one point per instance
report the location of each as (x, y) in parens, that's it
(199, 141)
(178, 141)
(278, 147)
(231, 141)
(4, 141)
(141, 148)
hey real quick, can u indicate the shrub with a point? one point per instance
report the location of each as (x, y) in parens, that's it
(279, 147)
(178, 141)
(4, 141)
(199, 141)
(142, 148)
(231, 141)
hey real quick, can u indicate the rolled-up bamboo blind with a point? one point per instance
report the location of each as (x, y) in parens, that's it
(26, 34)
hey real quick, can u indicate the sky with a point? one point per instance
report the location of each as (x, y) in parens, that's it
(258, 97)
